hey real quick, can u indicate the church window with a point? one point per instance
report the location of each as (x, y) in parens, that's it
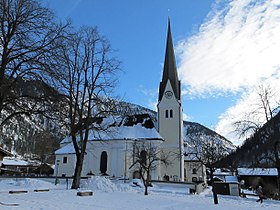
(194, 171)
(64, 160)
(171, 113)
(166, 113)
(143, 157)
(103, 163)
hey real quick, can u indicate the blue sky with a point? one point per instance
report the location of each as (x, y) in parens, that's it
(223, 48)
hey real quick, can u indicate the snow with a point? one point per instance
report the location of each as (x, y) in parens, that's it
(135, 132)
(231, 179)
(120, 127)
(14, 161)
(118, 195)
(257, 171)
(68, 149)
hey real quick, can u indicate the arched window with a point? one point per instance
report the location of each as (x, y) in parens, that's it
(143, 157)
(166, 113)
(103, 162)
(194, 171)
(171, 113)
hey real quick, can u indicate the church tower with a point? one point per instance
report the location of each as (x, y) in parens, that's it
(170, 117)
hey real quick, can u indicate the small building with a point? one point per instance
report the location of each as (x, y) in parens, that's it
(195, 171)
(229, 187)
(43, 169)
(3, 153)
(253, 177)
(18, 166)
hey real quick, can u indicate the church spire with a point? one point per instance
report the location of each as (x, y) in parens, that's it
(170, 69)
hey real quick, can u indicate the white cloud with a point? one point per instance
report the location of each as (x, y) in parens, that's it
(235, 49)
(150, 96)
(248, 107)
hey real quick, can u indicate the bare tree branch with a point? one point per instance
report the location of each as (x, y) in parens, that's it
(85, 74)
(27, 36)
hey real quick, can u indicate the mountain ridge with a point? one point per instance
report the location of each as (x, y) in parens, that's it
(25, 135)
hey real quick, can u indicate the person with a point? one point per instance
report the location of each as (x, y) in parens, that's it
(260, 194)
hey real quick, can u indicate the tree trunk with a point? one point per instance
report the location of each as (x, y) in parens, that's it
(278, 179)
(78, 171)
(146, 184)
(215, 196)
(146, 189)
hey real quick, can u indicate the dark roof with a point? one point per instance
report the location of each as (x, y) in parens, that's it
(170, 69)
(144, 119)
(43, 169)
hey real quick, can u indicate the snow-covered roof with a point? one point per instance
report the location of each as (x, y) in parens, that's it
(257, 171)
(231, 179)
(135, 127)
(222, 172)
(68, 149)
(12, 161)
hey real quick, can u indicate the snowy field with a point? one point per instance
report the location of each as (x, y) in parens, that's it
(117, 196)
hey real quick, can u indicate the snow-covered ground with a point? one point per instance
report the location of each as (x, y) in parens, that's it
(117, 196)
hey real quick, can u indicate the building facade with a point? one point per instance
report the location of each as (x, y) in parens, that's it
(111, 152)
(113, 155)
(170, 114)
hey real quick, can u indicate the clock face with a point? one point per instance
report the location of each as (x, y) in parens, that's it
(168, 94)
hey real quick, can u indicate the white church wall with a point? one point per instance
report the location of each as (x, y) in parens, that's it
(170, 128)
(65, 165)
(115, 151)
(119, 159)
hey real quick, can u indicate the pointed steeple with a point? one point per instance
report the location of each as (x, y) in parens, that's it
(170, 69)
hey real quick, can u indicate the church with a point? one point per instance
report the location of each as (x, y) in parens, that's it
(111, 153)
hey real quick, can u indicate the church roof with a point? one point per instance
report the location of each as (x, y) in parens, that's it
(170, 69)
(133, 127)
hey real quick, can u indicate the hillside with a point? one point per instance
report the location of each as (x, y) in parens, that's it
(191, 129)
(35, 133)
(258, 150)
(39, 136)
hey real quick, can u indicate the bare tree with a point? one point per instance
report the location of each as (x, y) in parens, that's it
(148, 156)
(266, 130)
(208, 152)
(259, 112)
(27, 34)
(86, 74)
(45, 145)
